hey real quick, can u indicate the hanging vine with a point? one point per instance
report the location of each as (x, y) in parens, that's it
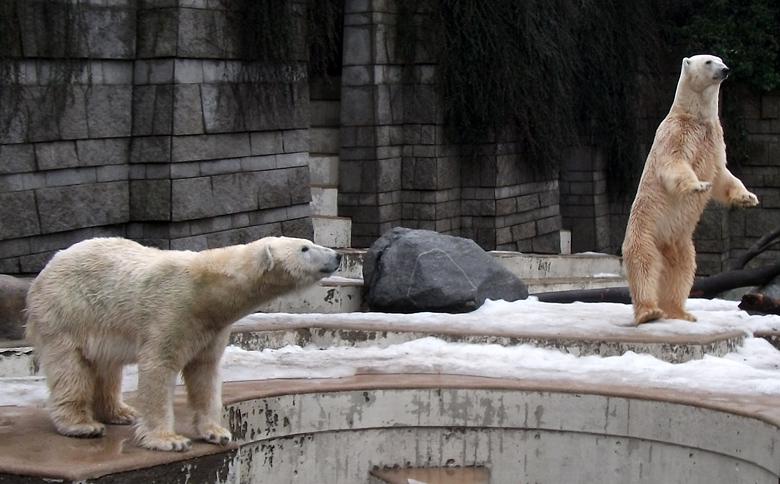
(48, 29)
(544, 71)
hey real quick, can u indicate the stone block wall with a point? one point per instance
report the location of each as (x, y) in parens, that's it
(760, 174)
(585, 204)
(162, 138)
(398, 169)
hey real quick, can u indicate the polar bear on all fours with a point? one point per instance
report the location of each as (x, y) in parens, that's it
(686, 167)
(108, 302)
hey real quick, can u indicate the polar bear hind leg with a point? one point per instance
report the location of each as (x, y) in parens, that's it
(643, 268)
(679, 269)
(71, 380)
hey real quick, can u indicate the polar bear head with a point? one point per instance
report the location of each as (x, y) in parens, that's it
(296, 262)
(703, 71)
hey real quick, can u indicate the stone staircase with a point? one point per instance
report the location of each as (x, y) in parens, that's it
(329, 229)
(342, 293)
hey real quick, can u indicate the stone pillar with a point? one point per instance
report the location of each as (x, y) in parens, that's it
(585, 207)
(371, 122)
(431, 168)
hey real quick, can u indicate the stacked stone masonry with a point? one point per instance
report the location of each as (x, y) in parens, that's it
(161, 139)
(397, 168)
(160, 134)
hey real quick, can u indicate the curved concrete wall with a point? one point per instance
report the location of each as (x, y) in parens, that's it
(521, 435)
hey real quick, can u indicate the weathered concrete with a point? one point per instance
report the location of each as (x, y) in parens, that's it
(34, 453)
(522, 431)
(339, 430)
(257, 333)
(436, 475)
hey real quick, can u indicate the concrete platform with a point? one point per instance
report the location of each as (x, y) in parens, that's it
(257, 332)
(272, 331)
(343, 430)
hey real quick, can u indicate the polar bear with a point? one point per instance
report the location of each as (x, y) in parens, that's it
(108, 302)
(686, 167)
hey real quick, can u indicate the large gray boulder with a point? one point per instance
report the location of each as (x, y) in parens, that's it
(13, 291)
(408, 271)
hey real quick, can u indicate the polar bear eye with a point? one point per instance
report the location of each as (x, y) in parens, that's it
(708, 62)
(305, 249)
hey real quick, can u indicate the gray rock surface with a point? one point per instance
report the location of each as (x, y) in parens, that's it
(408, 271)
(13, 291)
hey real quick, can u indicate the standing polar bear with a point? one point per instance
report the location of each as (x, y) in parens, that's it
(685, 168)
(108, 302)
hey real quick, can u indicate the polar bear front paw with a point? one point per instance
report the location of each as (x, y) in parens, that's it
(214, 434)
(169, 442)
(700, 187)
(746, 199)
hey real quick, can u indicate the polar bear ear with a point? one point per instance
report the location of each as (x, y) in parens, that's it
(686, 63)
(265, 260)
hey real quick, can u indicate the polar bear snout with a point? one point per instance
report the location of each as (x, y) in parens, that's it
(333, 263)
(722, 73)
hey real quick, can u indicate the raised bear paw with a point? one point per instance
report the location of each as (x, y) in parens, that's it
(700, 187)
(745, 199)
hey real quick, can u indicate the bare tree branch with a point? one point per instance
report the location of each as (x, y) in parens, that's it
(706, 288)
(760, 246)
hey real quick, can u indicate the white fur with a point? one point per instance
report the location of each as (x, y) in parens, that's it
(107, 302)
(686, 167)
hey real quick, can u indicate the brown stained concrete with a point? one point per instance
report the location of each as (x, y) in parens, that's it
(29, 445)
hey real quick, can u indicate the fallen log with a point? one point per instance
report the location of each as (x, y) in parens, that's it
(706, 288)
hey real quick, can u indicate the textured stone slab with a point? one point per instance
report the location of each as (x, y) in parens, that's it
(87, 205)
(19, 217)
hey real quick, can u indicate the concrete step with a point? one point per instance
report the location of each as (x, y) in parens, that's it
(331, 296)
(332, 231)
(540, 272)
(536, 269)
(536, 286)
(543, 266)
(324, 200)
(324, 169)
(16, 360)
